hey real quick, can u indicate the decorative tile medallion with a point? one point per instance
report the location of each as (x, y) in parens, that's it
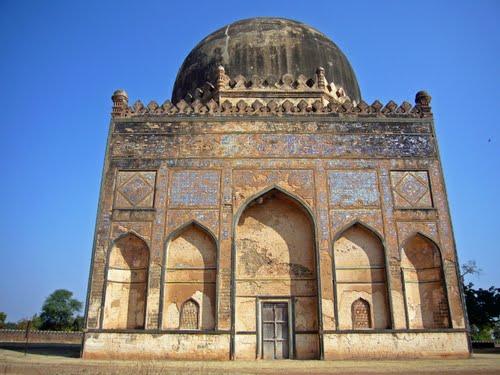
(135, 189)
(411, 189)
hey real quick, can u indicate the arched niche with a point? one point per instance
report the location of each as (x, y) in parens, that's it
(190, 275)
(275, 260)
(190, 315)
(126, 283)
(360, 273)
(361, 314)
(425, 293)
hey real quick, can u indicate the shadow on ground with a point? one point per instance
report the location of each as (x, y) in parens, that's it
(495, 350)
(55, 359)
(59, 350)
(73, 350)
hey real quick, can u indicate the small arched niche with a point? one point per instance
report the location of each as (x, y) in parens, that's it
(360, 272)
(361, 314)
(126, 284)
(190, 278)
(425, 294)
(190, 315)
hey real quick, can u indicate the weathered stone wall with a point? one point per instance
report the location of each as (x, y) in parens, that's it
(40, 337)
(130, 345)
(164, 172)
(396, 345)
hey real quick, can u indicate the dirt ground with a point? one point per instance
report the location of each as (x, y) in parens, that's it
(49, 360)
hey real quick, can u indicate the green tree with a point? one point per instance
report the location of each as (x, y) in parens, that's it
(58, 311)
(3, 318)
(35, 321)
(496, 331)
(78, 323)
(483, 309)
(10, 325)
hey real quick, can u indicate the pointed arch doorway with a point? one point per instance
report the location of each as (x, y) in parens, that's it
(275, 279)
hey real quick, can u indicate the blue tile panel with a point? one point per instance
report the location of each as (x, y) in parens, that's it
(195, 189)
(353, 188)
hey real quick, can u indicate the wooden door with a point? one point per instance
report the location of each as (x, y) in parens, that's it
(275, 330)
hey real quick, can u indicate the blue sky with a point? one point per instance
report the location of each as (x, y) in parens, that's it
(60, 61)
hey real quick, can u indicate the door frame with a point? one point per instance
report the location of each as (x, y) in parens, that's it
(291, 324)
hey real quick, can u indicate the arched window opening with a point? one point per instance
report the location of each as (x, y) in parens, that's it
(360, 272)
(425, 293)
(360, 311)
(126, 284)
(189, 315)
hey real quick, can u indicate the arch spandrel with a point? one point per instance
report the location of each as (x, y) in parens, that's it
(249, 184)
(305, 203)
(206, 219)
(369, 218)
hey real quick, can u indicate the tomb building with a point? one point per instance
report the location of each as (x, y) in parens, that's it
(267, 212)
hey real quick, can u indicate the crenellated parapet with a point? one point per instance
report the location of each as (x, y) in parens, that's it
(288, 87)
(273, 107)
(261, 97)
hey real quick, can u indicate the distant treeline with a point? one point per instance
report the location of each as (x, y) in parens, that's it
(59, 312)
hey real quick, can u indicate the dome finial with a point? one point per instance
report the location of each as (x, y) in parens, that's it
(120, 102)
(320, 78)
(222, 78)
(423, 102)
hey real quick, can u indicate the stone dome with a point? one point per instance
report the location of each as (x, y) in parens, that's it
(266, 47)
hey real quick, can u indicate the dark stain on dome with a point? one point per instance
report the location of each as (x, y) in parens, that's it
(266, 47)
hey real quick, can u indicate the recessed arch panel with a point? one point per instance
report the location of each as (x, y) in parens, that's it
(425, 293)
(189, 278)
(360, 273)
(126, 283)
(275, 259)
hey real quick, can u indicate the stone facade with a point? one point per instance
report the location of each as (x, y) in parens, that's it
(249, 196)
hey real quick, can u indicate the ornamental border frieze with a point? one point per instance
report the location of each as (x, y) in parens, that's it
(192, 126)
